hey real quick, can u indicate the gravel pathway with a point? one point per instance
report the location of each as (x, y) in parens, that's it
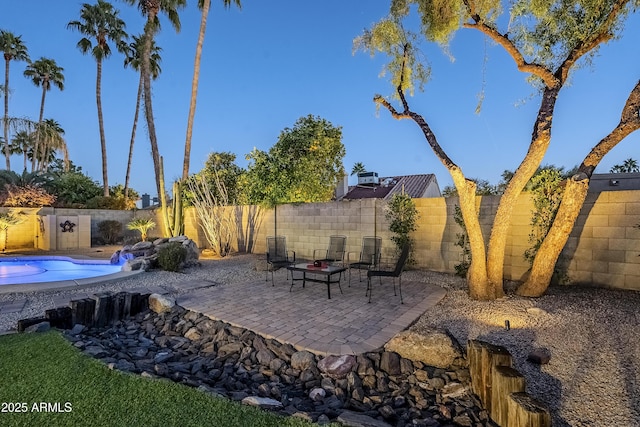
(592, 335)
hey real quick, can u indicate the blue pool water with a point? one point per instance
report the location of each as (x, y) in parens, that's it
(22, 270)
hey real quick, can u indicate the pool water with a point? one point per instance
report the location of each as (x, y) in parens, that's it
(23, 270)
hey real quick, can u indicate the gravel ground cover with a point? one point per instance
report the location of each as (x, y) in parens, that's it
(591, 334)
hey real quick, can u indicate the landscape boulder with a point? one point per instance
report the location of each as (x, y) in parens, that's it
(434, 348)
(161, 303)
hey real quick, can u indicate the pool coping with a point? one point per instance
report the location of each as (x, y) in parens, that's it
(61, 285)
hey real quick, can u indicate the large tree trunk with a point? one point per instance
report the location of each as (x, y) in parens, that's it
(194, 89)
(36, 145)
(540, 140)
(479, 286)
(7, 151)
(133, 138)
(103, 141)
(477, 279)
(148, 109)
(573, 198)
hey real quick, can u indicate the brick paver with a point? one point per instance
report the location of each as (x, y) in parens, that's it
(305, 318)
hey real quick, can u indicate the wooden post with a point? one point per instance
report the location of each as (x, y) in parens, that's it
(83, 311)
(483, 357)
(103, 309)
(505, 380)
(59, 317)
(525, 411)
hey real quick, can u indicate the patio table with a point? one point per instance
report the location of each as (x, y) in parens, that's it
(328, 271)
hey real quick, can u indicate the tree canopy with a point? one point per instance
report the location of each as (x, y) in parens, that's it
(547, 40)
(304, 165)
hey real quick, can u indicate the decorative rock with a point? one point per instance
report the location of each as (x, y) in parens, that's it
(337, 366)
(354, 419)
(161, 303)
(39, 327)
(390, 363)
(536, 311)
(77, 329)
(235, 363)
(436, 348)
(317, 394)
(540, 356)
(141, 246)
(262, 402)
(302, 360)
(193, 334)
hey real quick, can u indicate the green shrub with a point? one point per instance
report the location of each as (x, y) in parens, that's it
(110, 230)
(171, 256)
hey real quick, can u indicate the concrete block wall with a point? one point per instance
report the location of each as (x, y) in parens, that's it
(603, 248)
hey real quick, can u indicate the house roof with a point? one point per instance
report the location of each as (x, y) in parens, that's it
(614, 182)
(413, 185)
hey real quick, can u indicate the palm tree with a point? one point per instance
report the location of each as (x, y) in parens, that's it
(628, 166)
(133, 59)
(150, 9)
(44, 72)
(52, 139)
(143, 225)
(204, 7)
(101, 23)
(358, 167)
(14, 49)
(21, 143)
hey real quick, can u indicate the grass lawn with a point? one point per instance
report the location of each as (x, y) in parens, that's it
(37, 368)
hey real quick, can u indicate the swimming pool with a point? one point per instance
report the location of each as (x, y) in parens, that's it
(54, 269)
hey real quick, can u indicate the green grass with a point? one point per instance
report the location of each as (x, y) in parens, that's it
(47, 368)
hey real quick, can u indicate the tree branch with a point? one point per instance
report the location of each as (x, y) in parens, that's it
(536, 69)
(629, 122)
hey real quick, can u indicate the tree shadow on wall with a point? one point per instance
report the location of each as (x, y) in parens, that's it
(248, 223)
(561, 271)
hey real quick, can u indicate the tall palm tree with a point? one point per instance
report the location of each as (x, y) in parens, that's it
(151, 9)
(51, 135)
(204, 6)
(43, 73)
(133, 59)
(101, 23)
(14, 49)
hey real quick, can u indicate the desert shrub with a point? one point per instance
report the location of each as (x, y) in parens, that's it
(110, 230)
(403, 217)
(171, 256)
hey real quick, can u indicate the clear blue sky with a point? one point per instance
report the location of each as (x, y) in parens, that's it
(268, 64)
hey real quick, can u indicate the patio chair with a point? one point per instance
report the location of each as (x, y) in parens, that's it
(395, 273)
(278, 256)
(369, 257)
(335, 253)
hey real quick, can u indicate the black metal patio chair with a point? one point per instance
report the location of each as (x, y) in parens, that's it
(369, 257)
(396, 272)
(278, 256)
(335, 252)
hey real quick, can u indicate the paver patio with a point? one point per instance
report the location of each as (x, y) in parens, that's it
(305, 318)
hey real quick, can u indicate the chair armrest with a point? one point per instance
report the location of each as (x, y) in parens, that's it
(294, 255)
(322, 250)
(349, 257)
